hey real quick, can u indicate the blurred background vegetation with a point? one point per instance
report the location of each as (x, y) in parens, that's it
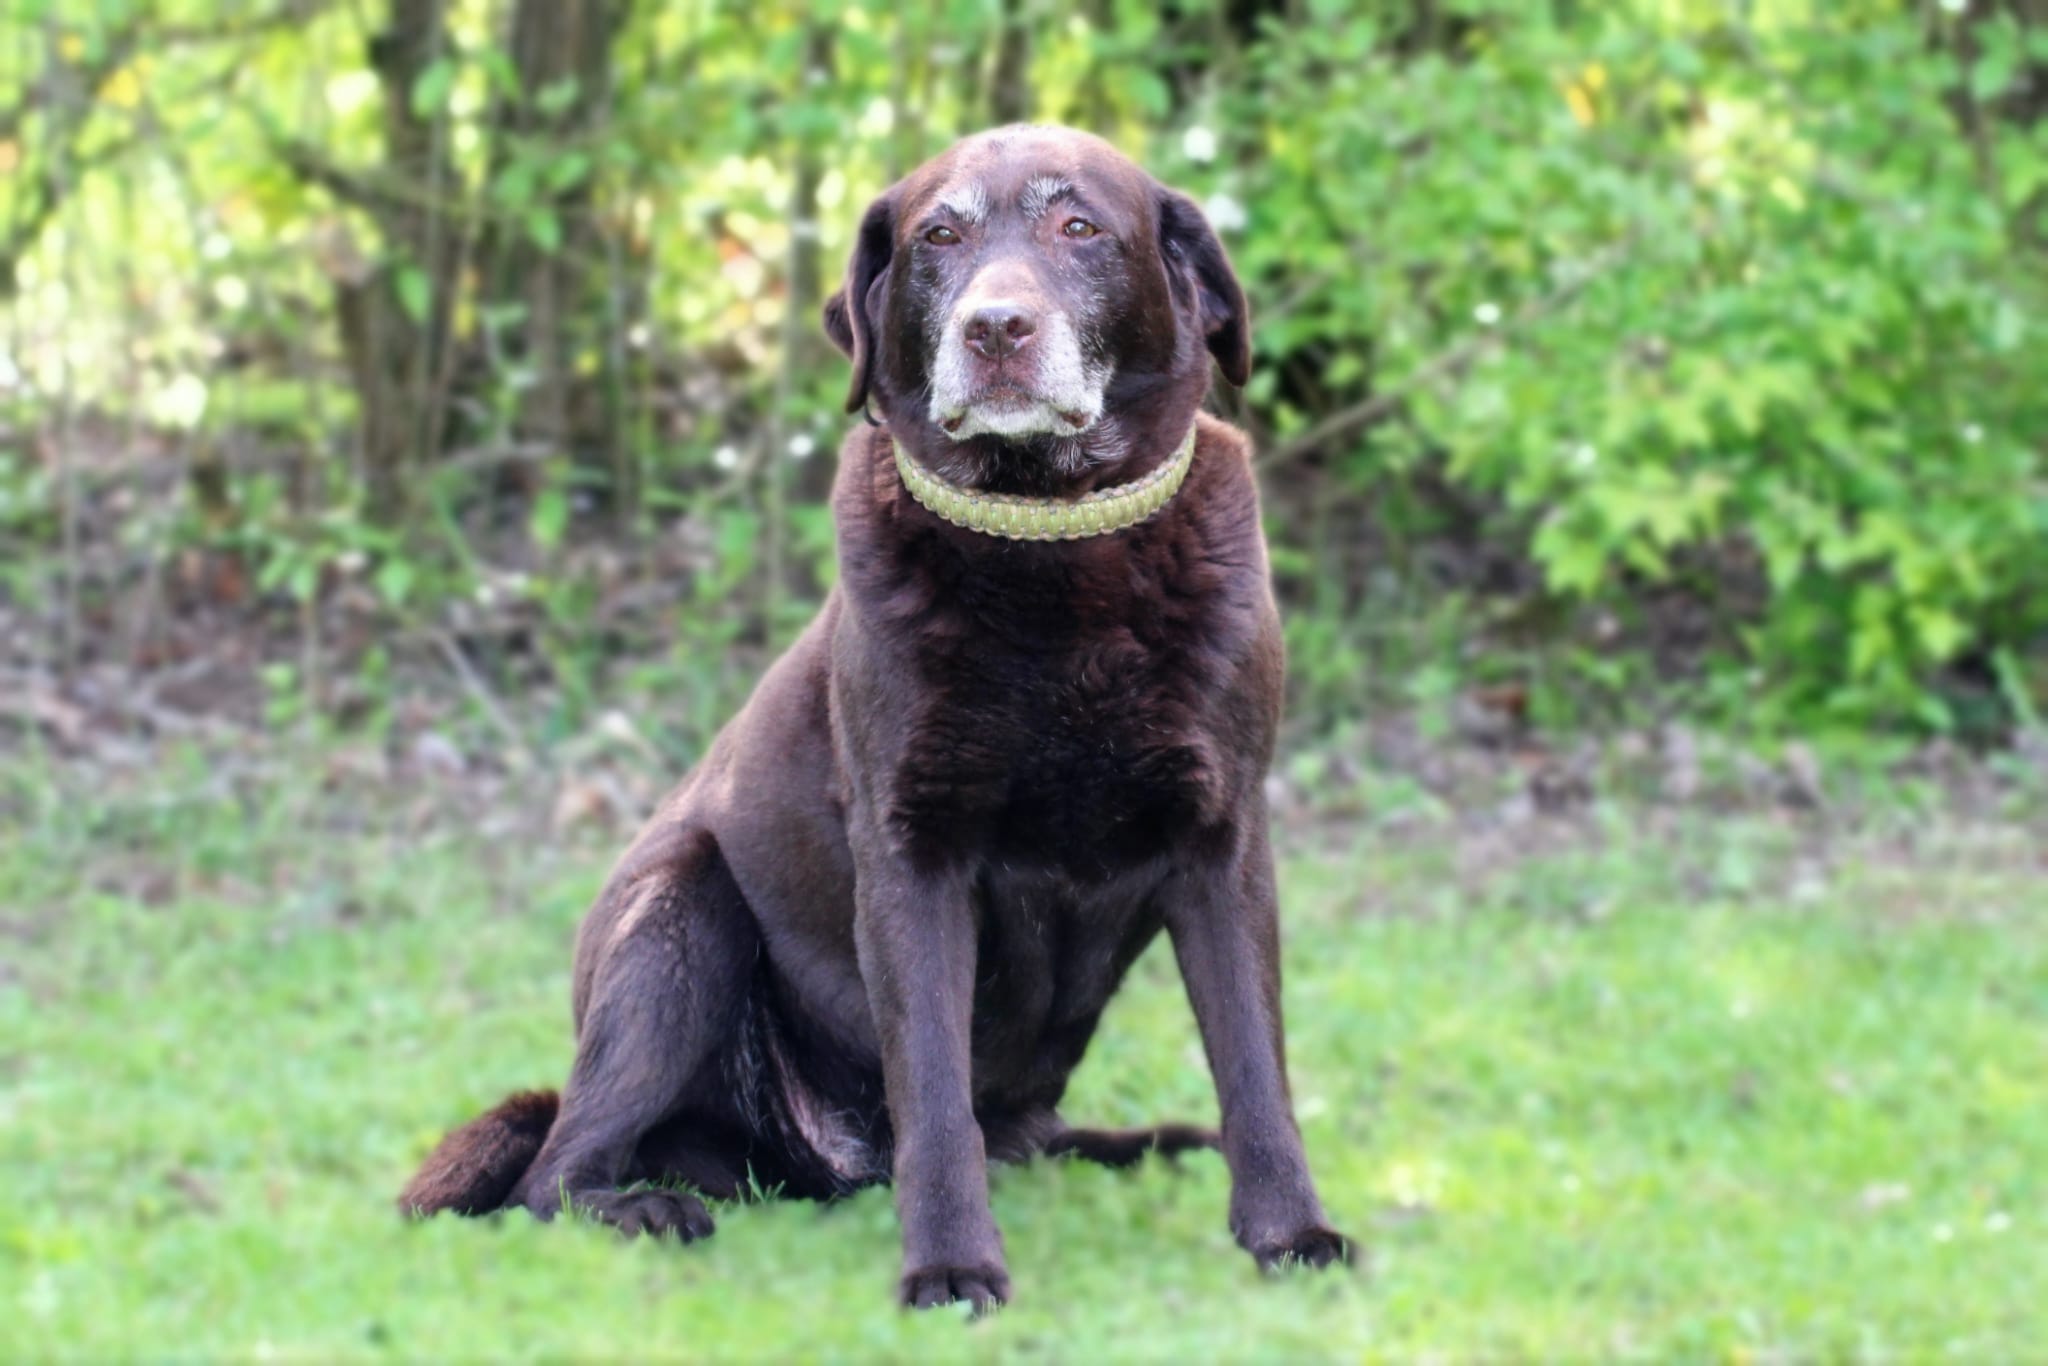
(1659, 358)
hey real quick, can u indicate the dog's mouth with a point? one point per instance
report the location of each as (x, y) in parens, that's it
(1004, 403)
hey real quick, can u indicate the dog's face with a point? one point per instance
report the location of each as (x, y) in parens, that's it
(1031, 299)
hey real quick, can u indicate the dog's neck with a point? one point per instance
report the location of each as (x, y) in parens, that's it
(1016, 517)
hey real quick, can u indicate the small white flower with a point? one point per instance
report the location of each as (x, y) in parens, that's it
(1199, 144)
(1585, 455)
(801, 445)
(182, 402)
(636, 336)
(41, 1297)
(1943, 1233)
(726, 457)
(878, 119)
(1487, 314)
(1998, 1221)
(1225, 213)
(1955, 6)
(1972, 433)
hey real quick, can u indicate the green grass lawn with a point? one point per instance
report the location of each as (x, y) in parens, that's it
(1712, 1089)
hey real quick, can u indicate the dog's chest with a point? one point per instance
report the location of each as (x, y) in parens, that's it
(1088, 759)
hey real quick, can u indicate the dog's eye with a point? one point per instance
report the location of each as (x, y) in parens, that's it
(941, 236)
(1079, 227)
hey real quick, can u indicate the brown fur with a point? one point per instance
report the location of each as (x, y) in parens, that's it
(475, 1168)
(869, 937)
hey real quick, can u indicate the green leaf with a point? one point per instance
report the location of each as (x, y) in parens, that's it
(545, 229)
(1993, 72)
(550, 518)
(430, 90)
(513, 188)
(1940, 633)
(395, 578)
(556, 96)
(499, 72)
(1149, 92)
(567, 171)
(415, 292)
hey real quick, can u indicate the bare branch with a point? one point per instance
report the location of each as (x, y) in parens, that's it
(68, 87)
(1383, 404)
(290, 14)
(62, 82)
(314, 167)
(67, 94)
(43, 196)
(517, 750)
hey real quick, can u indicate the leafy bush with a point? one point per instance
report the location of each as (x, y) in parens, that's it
(1738, 304)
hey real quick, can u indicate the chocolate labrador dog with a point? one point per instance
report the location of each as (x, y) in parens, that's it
(868, 938)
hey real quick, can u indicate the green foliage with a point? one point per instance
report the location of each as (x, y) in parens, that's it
(1733, 307)
(1724, 298)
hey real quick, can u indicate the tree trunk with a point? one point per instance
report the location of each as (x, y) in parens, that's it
(1091, 108)
(395, 315)
(1010, 87)
(544, 255)
(804, 349)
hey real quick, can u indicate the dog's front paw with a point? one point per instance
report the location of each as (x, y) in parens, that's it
(986, 1287)
(1313, 1245)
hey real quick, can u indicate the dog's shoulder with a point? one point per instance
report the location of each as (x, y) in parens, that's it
(1218, 528)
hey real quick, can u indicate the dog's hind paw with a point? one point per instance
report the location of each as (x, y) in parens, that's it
(649, 1210)
(986, 1287)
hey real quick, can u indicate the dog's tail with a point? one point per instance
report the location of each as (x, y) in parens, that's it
(475, 1168)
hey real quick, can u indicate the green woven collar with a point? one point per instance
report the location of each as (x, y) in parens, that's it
(1048, 519)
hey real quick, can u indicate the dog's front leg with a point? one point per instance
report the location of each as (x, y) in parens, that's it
(1222, 914)
(916, 936)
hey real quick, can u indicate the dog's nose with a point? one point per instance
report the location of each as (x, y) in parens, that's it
(1000, 330)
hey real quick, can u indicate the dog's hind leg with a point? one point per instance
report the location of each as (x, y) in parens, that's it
(664, 966)
(1126, 1147)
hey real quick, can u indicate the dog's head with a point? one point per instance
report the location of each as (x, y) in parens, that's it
(1030, 305)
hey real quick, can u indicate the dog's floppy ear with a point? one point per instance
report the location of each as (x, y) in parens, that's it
(1195, 257)
(849, 319)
